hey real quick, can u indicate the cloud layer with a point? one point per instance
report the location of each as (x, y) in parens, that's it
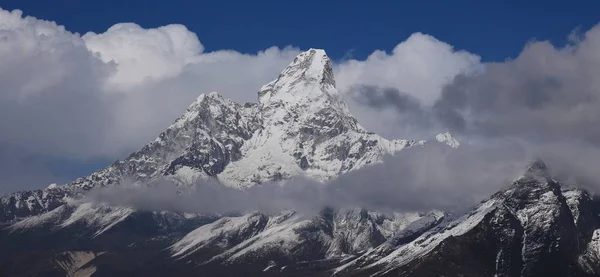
(420, 179)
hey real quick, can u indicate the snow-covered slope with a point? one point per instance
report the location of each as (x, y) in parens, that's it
(535, 227)
(290, 236)
(447, 139)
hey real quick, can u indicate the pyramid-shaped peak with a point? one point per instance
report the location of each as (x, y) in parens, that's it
(204, 98)
(304, 90)
(537, 168)
(308, 81)
(311, 65)
(312, 55)
(212, 95)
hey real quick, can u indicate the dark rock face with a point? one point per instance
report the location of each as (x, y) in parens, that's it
(28, 203)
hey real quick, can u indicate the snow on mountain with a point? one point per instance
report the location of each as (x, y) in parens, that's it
(307, 129)
(255, 236)
(535, 227)
(447, 139)
(430, 240)
(99, 217)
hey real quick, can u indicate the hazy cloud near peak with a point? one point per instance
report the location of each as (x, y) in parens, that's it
(416, 70)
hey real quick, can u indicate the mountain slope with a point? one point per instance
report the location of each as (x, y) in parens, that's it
(536, 227)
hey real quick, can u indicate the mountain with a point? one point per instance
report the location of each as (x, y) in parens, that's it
(300, 126)
(535, 227)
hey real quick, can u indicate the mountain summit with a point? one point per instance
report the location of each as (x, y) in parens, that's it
(307, 129)
(307, 84)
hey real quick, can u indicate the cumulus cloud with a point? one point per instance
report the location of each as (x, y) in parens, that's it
(417, 68)
(50, 88)
(421, 65)
(546, 94)
(144, 53)
(547, 100)
(399, 114)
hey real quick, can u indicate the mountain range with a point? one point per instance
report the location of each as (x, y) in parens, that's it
(299, 127)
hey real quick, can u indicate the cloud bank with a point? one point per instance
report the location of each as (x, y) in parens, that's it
(421, 179)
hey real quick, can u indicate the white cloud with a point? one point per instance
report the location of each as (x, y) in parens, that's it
(420, 66)
(145, 53)
(50, 88)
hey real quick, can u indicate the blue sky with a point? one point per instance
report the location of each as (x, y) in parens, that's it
(493, 29)
(490, 31)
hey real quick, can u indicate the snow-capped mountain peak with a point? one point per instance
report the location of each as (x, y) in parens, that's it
(537, 168)
(310, 68)
(307, 85)
(447, 139)
(307, 129)
(313, 64)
